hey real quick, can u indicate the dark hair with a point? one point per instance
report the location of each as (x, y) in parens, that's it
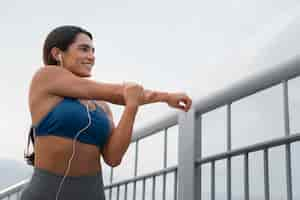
(61, 37)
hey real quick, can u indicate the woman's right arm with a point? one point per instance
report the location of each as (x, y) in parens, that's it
(120, 137)
(61, 82)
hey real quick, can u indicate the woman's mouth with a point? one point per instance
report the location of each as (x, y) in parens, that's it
(89, 65)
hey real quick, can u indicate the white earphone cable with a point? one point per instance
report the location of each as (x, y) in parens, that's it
(73, 152)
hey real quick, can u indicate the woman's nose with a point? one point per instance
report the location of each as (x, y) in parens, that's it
(91, 56)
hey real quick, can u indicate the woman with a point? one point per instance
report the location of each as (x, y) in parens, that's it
(72, 125)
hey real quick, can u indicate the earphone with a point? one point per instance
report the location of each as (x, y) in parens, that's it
(74, 140)
(60, 60)
(59, 57)
(73, 151)
(26, 152)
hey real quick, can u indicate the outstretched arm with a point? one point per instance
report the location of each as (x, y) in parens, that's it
(60, 82)
(176, 100)
(53, 80)
(120, 136)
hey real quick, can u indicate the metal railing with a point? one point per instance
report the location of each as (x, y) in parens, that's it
(13, 192)
(277, 75)
(162, 126)
(187, 174)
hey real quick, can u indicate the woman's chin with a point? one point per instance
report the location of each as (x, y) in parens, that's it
(83, 74)
(86, 75)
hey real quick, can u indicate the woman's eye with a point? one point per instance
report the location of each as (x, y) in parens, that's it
(85, 49)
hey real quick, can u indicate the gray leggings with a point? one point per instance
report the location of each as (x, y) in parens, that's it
(44, 185)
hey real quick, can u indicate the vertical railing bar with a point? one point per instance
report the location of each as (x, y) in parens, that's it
(287, 146)
(228, 186)
(134, 189)
(125, 192)
(288, 172)
(165, 162)
(111, 175)
(110, 193)
(228, 127)
(135, 168)
(164, 187)
(266, 175)
(143, 189)
(212, 193)
(175, 185)
(199, 121)
(286, 108)
(165, 147)
(187, 150)
(246, 175)
(153, 187)
(118, 192)
(111, 180)
(228, 149)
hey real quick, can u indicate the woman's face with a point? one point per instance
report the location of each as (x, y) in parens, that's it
(79, 57)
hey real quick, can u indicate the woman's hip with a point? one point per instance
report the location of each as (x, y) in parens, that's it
(45, 185)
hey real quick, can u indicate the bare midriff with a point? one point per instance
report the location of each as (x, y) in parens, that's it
(53, 153)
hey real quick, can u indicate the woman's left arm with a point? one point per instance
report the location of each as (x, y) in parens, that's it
(120, 136)
(178, 100)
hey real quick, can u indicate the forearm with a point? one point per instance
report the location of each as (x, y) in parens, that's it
(121, 138)
(114, 93)
(151, 96)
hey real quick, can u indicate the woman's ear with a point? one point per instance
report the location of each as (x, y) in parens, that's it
(56, 54)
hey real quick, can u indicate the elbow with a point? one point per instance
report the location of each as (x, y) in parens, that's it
(113, 162)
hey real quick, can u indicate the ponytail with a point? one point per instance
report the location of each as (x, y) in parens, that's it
(29, 158)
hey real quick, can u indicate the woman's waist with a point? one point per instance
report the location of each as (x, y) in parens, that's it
(40, 172)
(46, 183)
(54, 154)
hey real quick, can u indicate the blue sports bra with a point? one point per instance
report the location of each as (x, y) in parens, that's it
(69, 116)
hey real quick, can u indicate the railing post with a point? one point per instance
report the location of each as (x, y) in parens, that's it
(189, 146)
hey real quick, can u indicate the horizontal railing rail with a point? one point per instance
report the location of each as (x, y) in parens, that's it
(144, 176)
(13, 190)
(249, 149)
(248, 86)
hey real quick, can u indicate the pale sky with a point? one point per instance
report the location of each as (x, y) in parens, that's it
(191, 46)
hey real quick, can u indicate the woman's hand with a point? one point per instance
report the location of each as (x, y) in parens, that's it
(133, 93)
(180, 101)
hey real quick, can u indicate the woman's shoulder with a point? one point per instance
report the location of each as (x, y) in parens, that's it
(48, 69)
(45, 75)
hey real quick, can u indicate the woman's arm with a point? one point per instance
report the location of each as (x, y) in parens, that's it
(58, 81)
(151, 96)
(120, 136)
(176, 100)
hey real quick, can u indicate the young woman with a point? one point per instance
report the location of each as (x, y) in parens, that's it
(72, 125)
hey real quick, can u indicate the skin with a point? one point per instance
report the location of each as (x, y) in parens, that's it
(51, 83)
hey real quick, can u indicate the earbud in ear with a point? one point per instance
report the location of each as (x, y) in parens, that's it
(59, 57)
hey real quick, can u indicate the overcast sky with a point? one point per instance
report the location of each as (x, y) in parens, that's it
(192, 46)
(195, 46)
